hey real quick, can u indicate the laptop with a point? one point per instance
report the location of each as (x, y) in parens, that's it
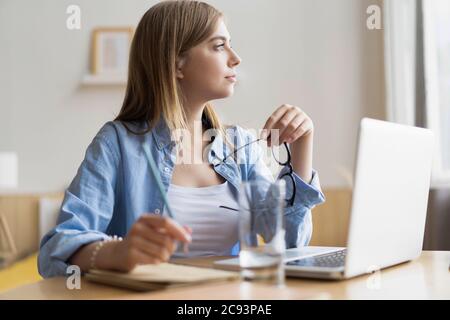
(389, 203)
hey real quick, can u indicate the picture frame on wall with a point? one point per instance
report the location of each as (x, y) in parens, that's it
(110, 51)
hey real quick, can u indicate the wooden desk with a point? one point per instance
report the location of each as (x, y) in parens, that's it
(428, 277)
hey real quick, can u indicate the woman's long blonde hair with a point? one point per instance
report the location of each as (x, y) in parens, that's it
(165, 33)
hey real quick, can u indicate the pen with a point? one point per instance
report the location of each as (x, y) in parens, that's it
(160, 186)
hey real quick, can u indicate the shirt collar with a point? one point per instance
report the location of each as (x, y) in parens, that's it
(161, 134)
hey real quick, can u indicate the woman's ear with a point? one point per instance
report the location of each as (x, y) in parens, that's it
(180, 63)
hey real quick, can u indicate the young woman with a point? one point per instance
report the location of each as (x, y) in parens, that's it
(180, 60)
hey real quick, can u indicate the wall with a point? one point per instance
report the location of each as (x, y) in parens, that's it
(317, 54)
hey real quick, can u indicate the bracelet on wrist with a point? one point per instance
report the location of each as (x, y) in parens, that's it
(98, 247)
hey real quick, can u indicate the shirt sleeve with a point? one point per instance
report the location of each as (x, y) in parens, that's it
(298, 220)
(298, 216)
(86, 210)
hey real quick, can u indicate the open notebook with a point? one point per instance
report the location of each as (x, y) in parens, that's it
(161, 276)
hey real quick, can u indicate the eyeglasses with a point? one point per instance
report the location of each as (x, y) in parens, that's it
(288, 176)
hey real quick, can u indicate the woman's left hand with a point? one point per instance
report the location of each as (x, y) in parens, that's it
(292, 123)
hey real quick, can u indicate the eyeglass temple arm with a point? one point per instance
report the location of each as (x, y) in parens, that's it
(241, 147)
(225, 207)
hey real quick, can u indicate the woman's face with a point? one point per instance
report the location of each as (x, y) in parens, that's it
(204, 73)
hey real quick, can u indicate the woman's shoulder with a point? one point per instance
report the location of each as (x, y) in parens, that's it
(117, 135)
(112, 131)
(119, 128)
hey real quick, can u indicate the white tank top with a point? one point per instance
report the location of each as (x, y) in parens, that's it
(214, 229)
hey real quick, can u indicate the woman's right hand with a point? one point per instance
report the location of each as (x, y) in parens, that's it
(151, 240)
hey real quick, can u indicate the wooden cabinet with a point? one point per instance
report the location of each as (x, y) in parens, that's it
(21, 213)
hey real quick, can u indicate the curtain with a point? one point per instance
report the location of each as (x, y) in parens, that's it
(404, 62)
(413, 91)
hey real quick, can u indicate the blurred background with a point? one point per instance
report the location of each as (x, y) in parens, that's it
(62, 78)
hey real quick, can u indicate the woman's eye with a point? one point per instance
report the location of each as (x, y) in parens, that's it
(221, 46)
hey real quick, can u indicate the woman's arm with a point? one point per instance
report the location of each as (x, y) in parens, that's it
(302, 156)
(105, 258)
(87, 207)
(296, 128)
(152, 239)
(86, 212)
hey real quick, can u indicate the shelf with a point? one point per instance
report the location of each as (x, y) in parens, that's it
(104, 80)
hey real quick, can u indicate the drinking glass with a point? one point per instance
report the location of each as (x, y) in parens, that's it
(262, 231)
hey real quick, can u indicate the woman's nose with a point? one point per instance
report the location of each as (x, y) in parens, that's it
(235, 59)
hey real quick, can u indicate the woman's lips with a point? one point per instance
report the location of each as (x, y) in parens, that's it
(231, 79)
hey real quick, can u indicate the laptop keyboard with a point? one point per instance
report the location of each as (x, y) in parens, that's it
(328, 260)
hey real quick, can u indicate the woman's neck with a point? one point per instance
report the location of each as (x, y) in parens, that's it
(194, 114)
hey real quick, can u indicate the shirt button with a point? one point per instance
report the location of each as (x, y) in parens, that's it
(160, 145)
(157, 211)
(166, 169)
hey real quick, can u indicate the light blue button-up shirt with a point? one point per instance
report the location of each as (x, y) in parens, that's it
(114, 186)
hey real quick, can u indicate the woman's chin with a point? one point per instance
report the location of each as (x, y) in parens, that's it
(229, 92)
(222, 94)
